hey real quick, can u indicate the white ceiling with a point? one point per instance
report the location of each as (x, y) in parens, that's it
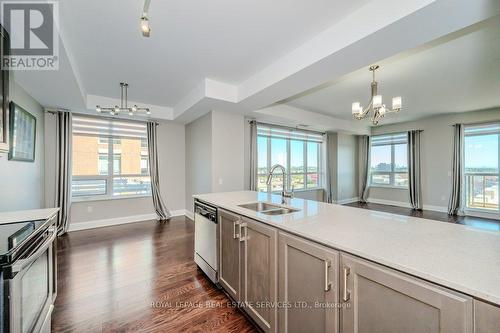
(457, 75)
(224, 40)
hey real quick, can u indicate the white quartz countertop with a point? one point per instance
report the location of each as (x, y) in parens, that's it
(459, 257)
(27, 215)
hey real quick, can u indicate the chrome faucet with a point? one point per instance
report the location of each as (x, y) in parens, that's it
(284, 192)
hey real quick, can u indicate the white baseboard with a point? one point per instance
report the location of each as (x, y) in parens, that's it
(347, 201)
(389, 202)
(190, 214)
(119, 220)
(407, 205)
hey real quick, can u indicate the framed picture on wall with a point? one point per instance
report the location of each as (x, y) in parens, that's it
(22, 132)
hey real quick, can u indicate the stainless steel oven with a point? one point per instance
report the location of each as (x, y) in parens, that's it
(28, 280)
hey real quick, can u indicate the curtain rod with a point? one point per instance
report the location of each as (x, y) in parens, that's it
(479, 122)
(287, 127)
(102, 116)
(397, 132)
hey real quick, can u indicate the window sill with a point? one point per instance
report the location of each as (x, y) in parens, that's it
(389, 187)
(106, 198)
(483, 213)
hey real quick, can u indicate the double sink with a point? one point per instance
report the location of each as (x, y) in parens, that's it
(268, 209)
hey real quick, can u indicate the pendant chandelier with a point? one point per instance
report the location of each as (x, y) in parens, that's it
(114, 110)
(375, 106)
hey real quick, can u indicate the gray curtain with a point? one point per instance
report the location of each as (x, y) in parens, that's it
(253, 155)
(364, 166)
(414, 170)
(329, 145)
(456, 178)
(161, 210)
(63, 170)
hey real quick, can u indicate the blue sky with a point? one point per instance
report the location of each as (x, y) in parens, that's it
(481, 151)
(278, 149)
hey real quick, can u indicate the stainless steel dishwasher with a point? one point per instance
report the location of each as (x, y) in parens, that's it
(206, 233)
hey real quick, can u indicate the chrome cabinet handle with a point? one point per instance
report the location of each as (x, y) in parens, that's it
(327, 275)
(235, 223)
(243, 226)
(346, 295)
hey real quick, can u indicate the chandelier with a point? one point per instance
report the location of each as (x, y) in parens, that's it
(114, 110)
(375, 105)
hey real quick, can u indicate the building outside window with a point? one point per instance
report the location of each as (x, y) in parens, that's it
(389, 160)
(481, 167)
(109, 158)
(298, 151)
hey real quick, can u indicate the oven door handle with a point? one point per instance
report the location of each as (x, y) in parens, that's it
(22, 263)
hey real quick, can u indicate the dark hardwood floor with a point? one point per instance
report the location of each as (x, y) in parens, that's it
(476, 222)
(138, 277)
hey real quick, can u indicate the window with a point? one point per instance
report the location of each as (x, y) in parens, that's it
(481, 167)
(110, 158)
(298, 151)
(389, 160)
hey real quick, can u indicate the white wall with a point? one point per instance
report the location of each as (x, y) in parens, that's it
(436, 151)
(22, 183)
(171, 159)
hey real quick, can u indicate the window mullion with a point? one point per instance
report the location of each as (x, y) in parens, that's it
(269, 187)
(392, 178)
(304, 149)
(110, 166)
(287, 177)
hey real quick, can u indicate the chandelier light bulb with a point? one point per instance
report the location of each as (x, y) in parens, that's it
(98, 109)
(148, 111)
(117, 109)
(396, 103)
(377, 101)
(130, 112)
(134, 108)
(356, 108)
(145, 28)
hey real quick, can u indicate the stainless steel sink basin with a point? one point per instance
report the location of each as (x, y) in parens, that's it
(268, 209)
(280, 211)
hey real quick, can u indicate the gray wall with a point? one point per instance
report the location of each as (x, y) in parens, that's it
(215, 148)
(347, 167)
(198, 158)
(23, 182)
(436, 154)
(171, 155)
(343, 166)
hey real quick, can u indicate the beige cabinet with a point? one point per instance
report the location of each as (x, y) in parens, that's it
(259, 272)
(230, 253)
(486, 317)
(308, 286)
(381, 300)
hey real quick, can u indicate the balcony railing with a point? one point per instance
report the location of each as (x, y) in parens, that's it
(482, 191)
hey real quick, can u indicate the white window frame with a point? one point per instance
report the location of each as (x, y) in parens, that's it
(476, 211)
(392, 173)
(108, 195)
(288, 164)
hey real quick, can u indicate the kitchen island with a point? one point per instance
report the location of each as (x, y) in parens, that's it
(460, 258)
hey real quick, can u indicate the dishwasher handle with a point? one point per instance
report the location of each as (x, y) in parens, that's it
(206, 211)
